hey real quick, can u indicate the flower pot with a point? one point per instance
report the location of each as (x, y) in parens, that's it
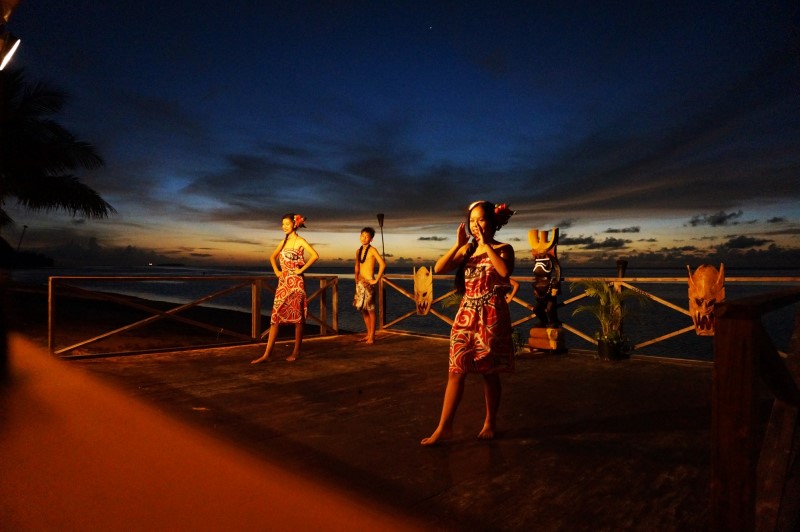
(611, 350)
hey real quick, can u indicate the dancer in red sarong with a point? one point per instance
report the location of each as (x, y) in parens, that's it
(480, 340)
(290, 297)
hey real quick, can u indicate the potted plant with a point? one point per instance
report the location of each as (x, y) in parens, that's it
(607, 306)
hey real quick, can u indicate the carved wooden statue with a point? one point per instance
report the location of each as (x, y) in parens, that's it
(548, 334)
(547, 276)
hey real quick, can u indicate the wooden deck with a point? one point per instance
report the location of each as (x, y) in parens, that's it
(584, 444)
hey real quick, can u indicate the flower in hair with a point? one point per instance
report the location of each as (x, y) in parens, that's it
(299, 221)
(502, 213)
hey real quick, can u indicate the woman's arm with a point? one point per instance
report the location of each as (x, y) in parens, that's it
(273, 259)
(313, 256)
(502, 259)
(452, 259)
(514, 288)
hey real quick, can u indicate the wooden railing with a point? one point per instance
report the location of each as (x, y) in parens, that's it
(327, 316)
(392, 282)
(755, 482)
(62, 286)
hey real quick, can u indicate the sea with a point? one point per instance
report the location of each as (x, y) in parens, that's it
(646, 321)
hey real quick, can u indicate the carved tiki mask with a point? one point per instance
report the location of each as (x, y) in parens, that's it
(706, 289)
(543, 249)
(423, 290)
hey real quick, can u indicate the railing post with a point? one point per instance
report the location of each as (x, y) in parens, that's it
(622, 265)
(335, 303)
(734, 421)
(381, 305)
(255, 309)
(323, 306)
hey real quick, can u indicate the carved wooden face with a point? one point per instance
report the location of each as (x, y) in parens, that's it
(423, 290)
(706, 289)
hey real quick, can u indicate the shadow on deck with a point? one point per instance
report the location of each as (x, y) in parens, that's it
(583, 443)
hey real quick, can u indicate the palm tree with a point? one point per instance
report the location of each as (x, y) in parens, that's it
(38, 156)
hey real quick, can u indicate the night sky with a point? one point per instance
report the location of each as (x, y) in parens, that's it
(667, 133)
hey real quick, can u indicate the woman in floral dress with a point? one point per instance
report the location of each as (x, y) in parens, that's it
(290, 296)
(480, 340)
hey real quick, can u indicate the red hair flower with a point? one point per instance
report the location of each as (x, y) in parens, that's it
(299, 221)
(502, 213)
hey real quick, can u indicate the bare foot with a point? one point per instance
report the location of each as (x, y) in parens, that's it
(438, 435)
(293, 357)
(259, 360)
(370, 341)
(487, 433)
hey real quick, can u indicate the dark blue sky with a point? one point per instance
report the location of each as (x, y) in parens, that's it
(657, 131)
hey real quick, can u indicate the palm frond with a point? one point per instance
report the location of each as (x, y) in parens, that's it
(607, 305)
(39, 158)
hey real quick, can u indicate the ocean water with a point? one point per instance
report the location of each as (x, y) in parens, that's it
(648, 321)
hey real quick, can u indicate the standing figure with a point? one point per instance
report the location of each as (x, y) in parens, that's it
(366, 259)
(480, 340)
(290, 304)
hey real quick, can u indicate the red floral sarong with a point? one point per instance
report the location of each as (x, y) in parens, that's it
(480, 340)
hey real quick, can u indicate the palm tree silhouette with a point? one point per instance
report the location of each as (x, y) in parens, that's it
(38, 156)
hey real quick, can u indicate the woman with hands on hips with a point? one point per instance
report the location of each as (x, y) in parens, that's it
(290, 305)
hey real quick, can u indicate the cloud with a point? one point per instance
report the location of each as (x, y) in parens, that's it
(717, 219)
(588, 242)
(743, 242)
(634, 229)
(609, 243)
(565, 224)
(433, 238)
(566, 240)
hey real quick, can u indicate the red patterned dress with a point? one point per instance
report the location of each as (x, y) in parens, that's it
(480, 340)
(290, 304)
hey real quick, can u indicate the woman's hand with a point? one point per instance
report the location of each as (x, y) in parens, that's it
(481, 236)
(462, 235)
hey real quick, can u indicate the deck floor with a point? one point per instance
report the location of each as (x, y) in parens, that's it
(583, 444)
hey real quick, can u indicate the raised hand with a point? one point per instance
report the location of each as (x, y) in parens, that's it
(462, 235)
(480, 237)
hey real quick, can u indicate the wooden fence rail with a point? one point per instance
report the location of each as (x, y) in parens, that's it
(61, 286)
(391, 283)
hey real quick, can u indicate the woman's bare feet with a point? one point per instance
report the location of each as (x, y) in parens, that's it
(487, 433)
(437, 436)
(293, 357)
(259, 360)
